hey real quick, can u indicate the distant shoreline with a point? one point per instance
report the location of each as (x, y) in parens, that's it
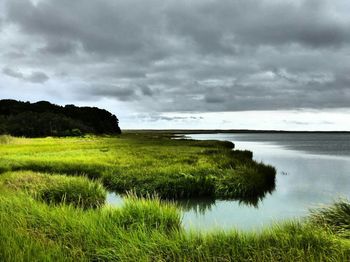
(220, 131)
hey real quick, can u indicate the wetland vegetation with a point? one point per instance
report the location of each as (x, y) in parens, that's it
(145, 164)
(52, 193)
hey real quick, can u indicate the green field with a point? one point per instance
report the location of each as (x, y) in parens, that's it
(52, 194)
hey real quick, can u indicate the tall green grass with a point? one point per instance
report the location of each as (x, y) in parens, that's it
(148, 230)
(47, 216)
(56, 189)
(147, 163)
(66, 231)
(335, 217)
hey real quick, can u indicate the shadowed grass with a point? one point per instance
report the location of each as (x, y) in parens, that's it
(6, 139)
(335, 217)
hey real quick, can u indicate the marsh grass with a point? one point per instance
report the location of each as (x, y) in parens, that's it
(41, 218)
(146, 163)
(57, 189)
(147, 230)
(149, 212)
(66, 231)
(335, 217)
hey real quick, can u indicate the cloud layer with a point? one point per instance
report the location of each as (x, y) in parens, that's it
(179, 56)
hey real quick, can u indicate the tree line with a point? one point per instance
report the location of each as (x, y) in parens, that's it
(45, 119)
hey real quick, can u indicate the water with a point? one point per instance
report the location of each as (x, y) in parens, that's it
(312, 169)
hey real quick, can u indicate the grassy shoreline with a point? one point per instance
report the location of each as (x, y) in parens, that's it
(43, 218)
(146, 163)
(149, 230)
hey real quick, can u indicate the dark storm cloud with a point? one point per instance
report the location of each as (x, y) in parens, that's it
(122, 93)
(37, 77)
(34, 77)
(103, 27)
(10, 72)
(147, 91)
(214, 99)
(199, 55)
(59, 48)
(226, 25)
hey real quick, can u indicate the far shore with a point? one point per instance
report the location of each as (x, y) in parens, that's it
(217, 131)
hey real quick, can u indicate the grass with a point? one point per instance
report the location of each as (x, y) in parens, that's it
(146, 163)
(56, 189)
(51, 203)
(6, 139)
(335, 217)
(147, 230)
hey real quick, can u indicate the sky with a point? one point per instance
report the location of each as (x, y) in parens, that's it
(196, 64)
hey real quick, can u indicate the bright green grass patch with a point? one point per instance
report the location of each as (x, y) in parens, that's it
(56, 189)
(67, 232)
(146, 163)
(147, 230)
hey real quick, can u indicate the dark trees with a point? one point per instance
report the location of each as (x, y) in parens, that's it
(46, 119)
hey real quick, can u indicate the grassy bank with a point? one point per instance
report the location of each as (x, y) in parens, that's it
(145, 163)
(56, 189)
(148, 230)
(52, 193)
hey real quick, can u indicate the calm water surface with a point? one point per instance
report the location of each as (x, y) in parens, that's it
(312, 169)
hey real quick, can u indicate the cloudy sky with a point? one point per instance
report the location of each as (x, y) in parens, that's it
(258, 64)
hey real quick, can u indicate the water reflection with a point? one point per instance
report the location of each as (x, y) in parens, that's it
(198, 206)
(201, 206)
(307, 175)
(304, 179)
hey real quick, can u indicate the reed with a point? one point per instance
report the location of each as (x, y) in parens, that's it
(335, 217)
(147, 230)
(57, 189)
